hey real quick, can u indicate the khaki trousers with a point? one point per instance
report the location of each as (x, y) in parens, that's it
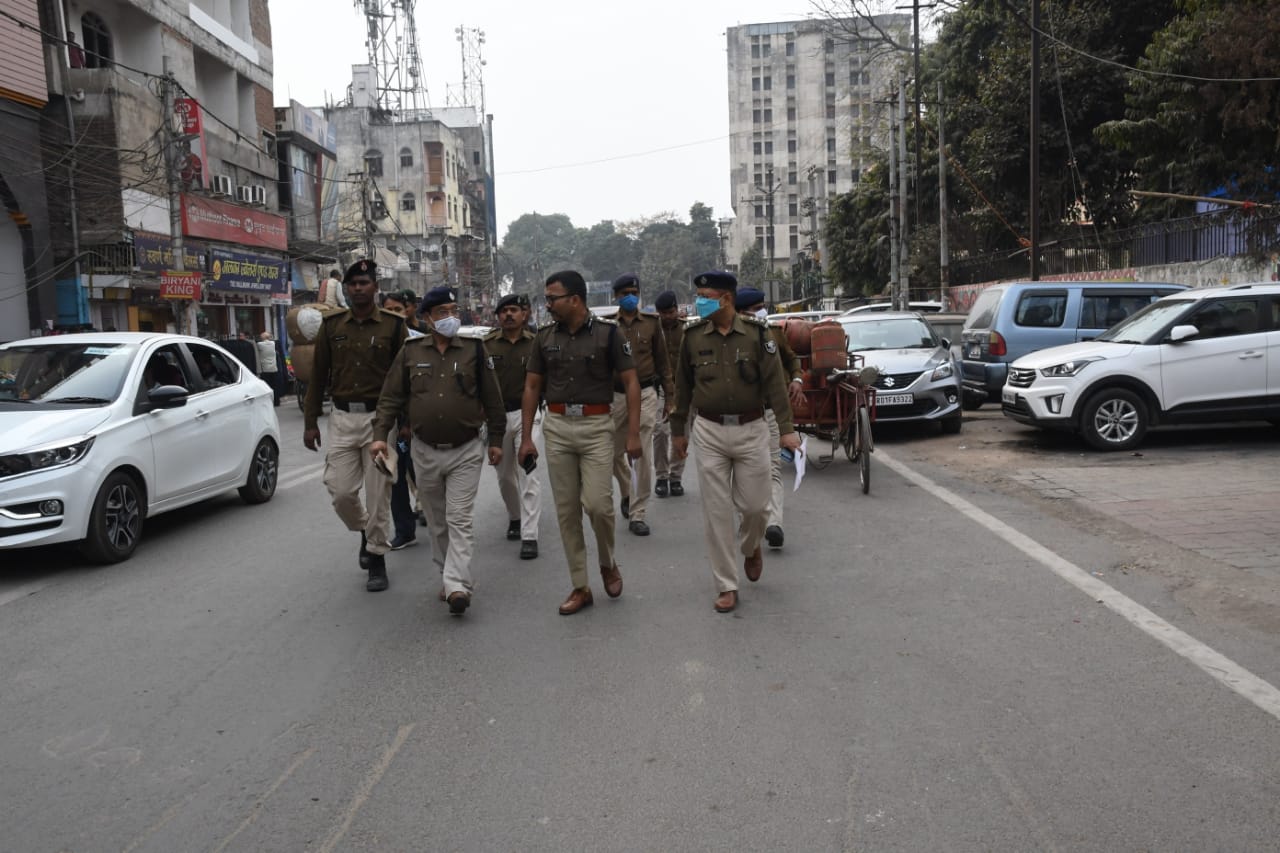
(775, 469)
(579, 461)
(733, 468)
(348, 468)
(666, 464)
(644, 465)
(447, 484)
(521, 492)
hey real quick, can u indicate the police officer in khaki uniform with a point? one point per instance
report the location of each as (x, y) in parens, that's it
(729, 373)
(509, 347)
(451, 393)
(668, 467)
(750, 301)
(649, 352)
(574, 361)
(353, 351)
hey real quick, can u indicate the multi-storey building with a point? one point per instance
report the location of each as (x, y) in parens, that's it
(310, 192)
(803, 119)
(109, 121)
(423, 206)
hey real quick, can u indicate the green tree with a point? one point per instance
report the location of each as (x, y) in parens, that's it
(857, 235)
(752, 269)
(606, 253)
(535, 245)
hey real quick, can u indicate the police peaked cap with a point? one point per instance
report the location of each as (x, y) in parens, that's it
(438, 296)
(666, 300)
(747, 297)
(628, 279)
(364, 266)
(517, 299)
(717, 280)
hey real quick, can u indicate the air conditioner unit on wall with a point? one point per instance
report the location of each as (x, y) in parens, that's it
(258, 194)
(244, 194)
(221, 185)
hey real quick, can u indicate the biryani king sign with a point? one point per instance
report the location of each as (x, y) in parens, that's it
(230, 223)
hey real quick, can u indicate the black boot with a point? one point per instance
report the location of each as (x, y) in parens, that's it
(660, 488)
(676, 489)
(377, 574)
(365, 556)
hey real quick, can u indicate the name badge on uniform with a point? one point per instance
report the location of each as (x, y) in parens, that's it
(339, 338)
(551, 348)
(706, 352)
(422, 365)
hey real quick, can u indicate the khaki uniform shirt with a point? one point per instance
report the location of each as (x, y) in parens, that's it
(450, 394)
(509, 360)
(729, 374)
(578, 367)
(352, 358)
(648, 350)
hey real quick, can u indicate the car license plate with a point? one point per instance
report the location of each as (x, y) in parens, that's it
(895, 399)
(975, 350)
(1009, 397)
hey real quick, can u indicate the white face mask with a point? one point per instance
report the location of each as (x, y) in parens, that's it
(447, 326)
(762, 313)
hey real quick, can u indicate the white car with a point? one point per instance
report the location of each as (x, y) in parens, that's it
(918, 307)
(1199, 356)
(101, 431)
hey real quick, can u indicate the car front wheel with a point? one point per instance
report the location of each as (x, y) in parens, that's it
(1114, 419)
(264, 471)
(115, 523)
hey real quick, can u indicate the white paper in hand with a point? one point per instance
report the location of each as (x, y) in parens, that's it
(635, 477)
(800, 457)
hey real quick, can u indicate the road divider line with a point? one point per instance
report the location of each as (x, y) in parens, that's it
(1226, 671)
(21, 592)
(297, 478)
(365, 790)
(266, 795)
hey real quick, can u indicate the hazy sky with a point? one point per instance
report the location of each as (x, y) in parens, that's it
(568, 82)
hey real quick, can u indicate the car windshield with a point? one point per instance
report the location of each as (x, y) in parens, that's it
(1143, 325)
(890, 333)
(64, 373)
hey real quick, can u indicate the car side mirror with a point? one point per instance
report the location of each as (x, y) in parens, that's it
(945, 343)
(168, 396)
(1181, 333)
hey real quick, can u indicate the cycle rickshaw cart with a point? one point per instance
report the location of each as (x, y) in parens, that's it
(839, 396)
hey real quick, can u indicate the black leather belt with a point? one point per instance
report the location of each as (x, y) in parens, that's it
(734, 420)
(512, 407)
(446, 446)
(644, 383)
(357, 406)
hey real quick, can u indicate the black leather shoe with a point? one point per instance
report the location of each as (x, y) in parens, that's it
(365, 556)
(529, 549)
(513, 530)
(626, 507)
(773, 535)
(660, 488)
(377, 574)
(676, 489)
(459, 602)
(639, 528)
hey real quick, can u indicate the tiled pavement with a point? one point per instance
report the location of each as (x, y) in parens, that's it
(1228, 511)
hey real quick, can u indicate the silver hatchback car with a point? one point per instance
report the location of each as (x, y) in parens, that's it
(920, 378)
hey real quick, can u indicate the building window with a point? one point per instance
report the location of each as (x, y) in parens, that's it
(791, 81)
(831, 177)
(755, 84)
(829, 46)
(831, 78)
(793, 209)
(406, 157)
(768, 116)
(768, 147)
(791, 113)
(97, 41)
(475, 158)
(765, 49)
(791, 47)
(768, 84)
(791, 146)
(791, 178)
(755, 51)
(831, 109)
(795, 242)
(756, 148)
(831, 145)
(407, 202)
(759, 211)
(373, 163)
(755, 116)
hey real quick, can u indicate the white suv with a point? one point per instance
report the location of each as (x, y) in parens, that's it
(1200, 356)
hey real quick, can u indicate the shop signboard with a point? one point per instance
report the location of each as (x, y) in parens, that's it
(154, 253)
(231, 223)
(191, 126)
(179, 285)
(241, 272)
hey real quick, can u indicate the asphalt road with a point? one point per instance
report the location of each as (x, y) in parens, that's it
(909, 674)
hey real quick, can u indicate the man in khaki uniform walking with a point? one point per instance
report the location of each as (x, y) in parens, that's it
(574, 361)
(509, 347)
(649, 352)
(667, 466)
(750, 302)
(451, 393)
(729, 373)
(354, 350)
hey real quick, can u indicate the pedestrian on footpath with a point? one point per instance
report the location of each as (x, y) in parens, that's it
(509, 347)
(750, 302)
(331, 295)
(404, 519)
(270, 360)
(354, 348)
(643, 332)
(667, 466)
(451, 392)
(729, 373)
(574, 361)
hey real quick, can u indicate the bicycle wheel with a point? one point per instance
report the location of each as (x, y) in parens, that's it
(849, 438)
(864, 449)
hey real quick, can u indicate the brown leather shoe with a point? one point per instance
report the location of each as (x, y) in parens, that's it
(612, 580)
(577, 600)
(726, 601)
(459, 602)
(753, 565)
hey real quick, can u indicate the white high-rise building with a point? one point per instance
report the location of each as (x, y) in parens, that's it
(803, 118)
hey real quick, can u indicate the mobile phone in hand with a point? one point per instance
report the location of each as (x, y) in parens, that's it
(530, 462)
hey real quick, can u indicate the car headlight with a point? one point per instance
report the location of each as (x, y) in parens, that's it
(1067, 368)
(42, 458)
(942, 371)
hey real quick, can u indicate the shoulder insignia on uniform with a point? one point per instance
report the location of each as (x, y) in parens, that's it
(690, 323)
(488, 362)
(754, 321)
(606, 320)
(547, 325)
(626, 347)
(770, 347)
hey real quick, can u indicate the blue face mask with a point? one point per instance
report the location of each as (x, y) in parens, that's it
(706, 307)
(629, 303)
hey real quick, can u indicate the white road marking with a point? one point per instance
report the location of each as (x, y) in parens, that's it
(297, 478)
(1261, 693)
(257, 806)
(21, 592)
(366, 788)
